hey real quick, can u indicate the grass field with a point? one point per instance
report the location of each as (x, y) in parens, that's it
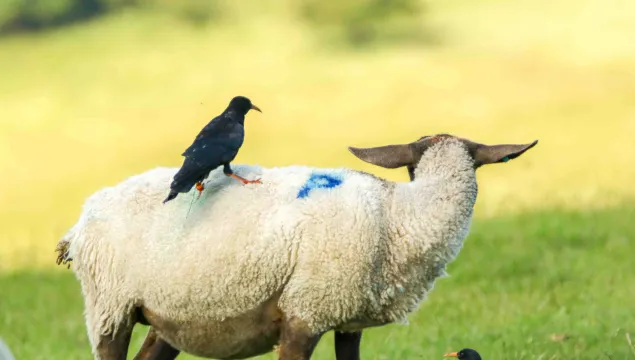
(519, 281)
(86, 106)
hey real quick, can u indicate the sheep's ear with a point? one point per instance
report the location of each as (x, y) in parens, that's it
(491, 154)
(389, 156)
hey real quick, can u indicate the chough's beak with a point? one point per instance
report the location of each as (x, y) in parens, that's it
(452, 354)
(255, 108)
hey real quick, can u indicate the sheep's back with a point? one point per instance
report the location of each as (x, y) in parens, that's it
(228, 251)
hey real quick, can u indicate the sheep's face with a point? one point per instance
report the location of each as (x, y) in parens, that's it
(394, 156)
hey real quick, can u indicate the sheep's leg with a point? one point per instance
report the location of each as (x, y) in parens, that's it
(297, 342)
(155, 348)
(115, 347)
(347, 345)
(148, 345)
(162, 351)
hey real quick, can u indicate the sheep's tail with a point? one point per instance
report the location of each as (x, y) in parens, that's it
(63, 246)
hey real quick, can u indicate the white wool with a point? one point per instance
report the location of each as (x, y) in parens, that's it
(360, 254)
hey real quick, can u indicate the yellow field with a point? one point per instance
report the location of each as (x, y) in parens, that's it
(87, 106)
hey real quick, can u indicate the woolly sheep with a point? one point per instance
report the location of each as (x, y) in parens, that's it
(253, 266)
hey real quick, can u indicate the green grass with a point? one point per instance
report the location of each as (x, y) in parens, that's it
(518, 280)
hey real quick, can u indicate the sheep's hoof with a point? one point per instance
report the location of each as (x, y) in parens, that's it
(62, 254)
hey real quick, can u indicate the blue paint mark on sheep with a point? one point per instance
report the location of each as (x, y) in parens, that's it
(319, 181)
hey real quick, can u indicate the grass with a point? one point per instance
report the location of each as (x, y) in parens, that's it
(519, 280)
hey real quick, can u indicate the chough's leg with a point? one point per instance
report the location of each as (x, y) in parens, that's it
(228, 171)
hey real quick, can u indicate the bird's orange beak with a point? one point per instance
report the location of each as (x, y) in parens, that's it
(255, 108)
(452, 354)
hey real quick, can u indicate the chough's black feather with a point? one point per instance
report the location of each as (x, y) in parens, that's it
(216, 144)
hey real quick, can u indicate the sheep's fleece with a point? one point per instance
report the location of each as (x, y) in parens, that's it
(360, 253)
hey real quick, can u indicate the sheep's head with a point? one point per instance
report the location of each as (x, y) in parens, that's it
(394, 156)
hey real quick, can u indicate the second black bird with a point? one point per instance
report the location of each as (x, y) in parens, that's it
(217, 144)
(465, 354)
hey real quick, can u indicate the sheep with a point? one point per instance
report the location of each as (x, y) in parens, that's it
(277, 264)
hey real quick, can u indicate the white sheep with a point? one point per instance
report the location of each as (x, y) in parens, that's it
(252, 266)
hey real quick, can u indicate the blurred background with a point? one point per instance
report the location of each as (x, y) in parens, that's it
(95, 91)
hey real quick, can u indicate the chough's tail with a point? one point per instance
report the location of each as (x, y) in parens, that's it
(171, 196)
(180, 184)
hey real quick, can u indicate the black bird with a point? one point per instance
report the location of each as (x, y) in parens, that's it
(465, 354)
(217, 144)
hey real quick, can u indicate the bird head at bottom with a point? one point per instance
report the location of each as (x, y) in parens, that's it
(465, 354)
